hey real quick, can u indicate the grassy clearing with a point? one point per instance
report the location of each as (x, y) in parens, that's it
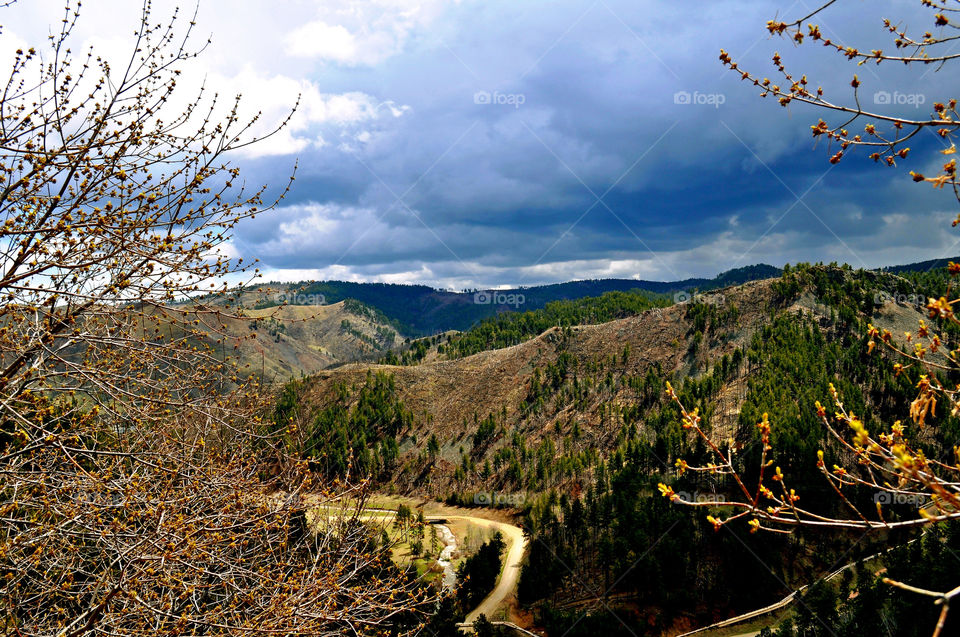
(381, 512)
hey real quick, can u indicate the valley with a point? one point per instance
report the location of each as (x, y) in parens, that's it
(567, 428)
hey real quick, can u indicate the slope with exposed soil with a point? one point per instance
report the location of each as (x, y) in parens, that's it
(283, 342)
(448, 397)
(568, 391)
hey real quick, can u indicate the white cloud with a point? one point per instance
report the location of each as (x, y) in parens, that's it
(331, 230)
(243, 59)
(361, 34)
(321, 40)
(318, 115)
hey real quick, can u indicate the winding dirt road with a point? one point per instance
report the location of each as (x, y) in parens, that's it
(507, 583)
(510, 573)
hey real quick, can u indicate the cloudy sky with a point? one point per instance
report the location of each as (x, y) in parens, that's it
(478, 143)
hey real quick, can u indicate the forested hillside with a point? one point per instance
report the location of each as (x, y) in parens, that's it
(512, 328)
(302, 330)
(574, 424)
(916, 282)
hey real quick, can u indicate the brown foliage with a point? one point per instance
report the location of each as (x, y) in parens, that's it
(138, 494)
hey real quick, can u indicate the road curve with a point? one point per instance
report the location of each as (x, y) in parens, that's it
(507, 583)
(509, 574)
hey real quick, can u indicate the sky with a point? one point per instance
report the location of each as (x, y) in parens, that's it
(487, 143)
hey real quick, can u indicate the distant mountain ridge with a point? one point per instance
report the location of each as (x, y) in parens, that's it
(920, 266)
(308, 326)
(418, 310)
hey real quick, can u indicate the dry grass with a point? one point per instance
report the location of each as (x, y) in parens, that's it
(284, 342)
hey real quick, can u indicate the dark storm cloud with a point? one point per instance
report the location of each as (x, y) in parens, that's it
(522, 116)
